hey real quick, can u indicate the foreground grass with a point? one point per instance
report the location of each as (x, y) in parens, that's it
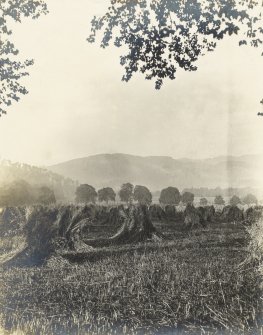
(9, 245)
(197, 283)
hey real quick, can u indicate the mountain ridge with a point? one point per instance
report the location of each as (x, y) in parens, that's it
(157, 172)
(159, 156)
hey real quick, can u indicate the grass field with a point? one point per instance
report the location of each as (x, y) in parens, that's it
(196, 282)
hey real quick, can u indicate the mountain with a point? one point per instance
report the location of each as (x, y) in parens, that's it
(63, 187)
(157, 172)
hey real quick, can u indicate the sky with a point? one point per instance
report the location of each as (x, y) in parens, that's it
(78, 106)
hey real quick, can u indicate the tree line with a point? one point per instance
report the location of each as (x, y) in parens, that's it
(169, 196)
(249, 199)
(128, 193)
(11, 173)
(20, 192)
(228, 192)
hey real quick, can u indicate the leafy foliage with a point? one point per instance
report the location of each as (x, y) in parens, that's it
(20, 193)
(16, 194)
(203, 202)
(219, 200)
(235, 200)
(250, 199)
(106, 194)
(12, 70)
(162, 36)
(142, 195)
(85, 193)
(187, 198)
(46, 196)
(170, 196)
(126, 192)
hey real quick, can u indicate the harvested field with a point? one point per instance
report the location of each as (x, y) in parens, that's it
(193, 282)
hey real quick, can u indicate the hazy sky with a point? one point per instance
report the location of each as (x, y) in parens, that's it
(78, 106)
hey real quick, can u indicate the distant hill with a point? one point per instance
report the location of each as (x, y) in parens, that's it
(157, 172)
(63, 187)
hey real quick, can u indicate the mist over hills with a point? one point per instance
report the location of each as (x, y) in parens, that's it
(157, 172)
(63, 187)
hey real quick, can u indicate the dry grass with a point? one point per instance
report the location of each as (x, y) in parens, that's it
(10, 245)
(256, 245)
(192, 284)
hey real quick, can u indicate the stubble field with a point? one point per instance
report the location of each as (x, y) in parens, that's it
(194, 282)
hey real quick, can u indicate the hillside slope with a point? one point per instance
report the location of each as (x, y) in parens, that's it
(160, 171)
(63, 187)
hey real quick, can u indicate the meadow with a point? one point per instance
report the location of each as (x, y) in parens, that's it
(200, 281)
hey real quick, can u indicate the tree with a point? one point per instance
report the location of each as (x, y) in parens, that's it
(250, 199)
(203, 202)
(21, 193)
(18, 193)
(45, 196)
(219, 200)
(126, 192)
(142, 195)
(85, 193)
(235, 200)
(162, 36)
(64, 188)
(187, 198)
(12, 70)
(170, 196)
(106, 194)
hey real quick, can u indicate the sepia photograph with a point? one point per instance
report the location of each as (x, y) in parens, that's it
(131, 167)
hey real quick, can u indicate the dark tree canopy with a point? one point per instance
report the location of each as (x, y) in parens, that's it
(235, 200)
(203, 202)
(12, 70)
(126, 192)
(85, 193)
(187, 198)
(250, 199)
(18, 193)
(106, 194)
(46, 196)
(161, 36)
(170, 196)
(219, 200)
(21, 193)
(142, 195)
